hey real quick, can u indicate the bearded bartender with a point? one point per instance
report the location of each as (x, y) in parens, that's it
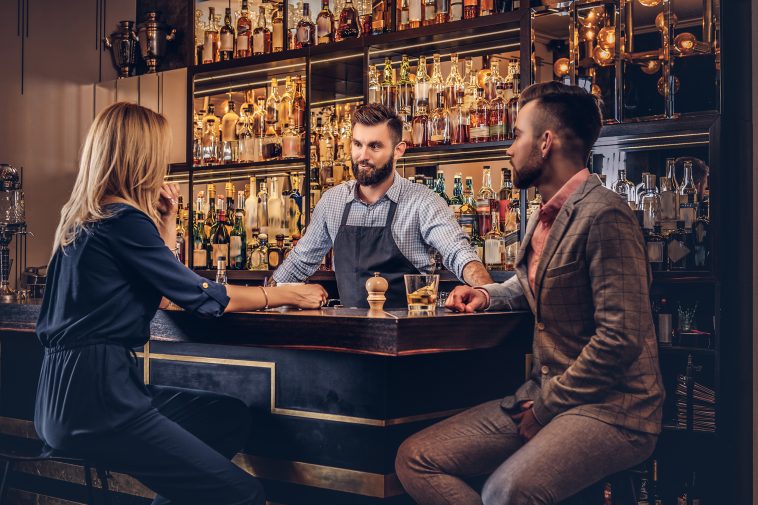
(380, 222)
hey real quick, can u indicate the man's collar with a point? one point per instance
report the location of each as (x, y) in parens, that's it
(393, 193)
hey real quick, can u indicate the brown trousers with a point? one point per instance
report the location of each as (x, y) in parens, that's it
(569, 454)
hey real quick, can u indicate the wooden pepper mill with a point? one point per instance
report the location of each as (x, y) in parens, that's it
(376, 287)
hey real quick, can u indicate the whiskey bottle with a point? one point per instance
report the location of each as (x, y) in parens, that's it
(656, 248)
(291, 145)
(470, 9)
(276, 252)
(374, 89)
(439, 126)
(486, 201)
(498, 119)
(669, 204)
(486, 7)
(650, 203)
(261, 34)
(471, 86)
(238, 236)
(687, 197)
(404, 18)
(443, 12)
(436, 83)
(306, 30)
(244, 33)
(701, 239)
(457, 200)
(389, 92)
(229, 142)
(348, 26)
(421, 92)
(494, 247)
(220, 239)
(625, 189)
(226, 51)
(211, 38)
(430, 15)
(246, 138)
(325, 24)
(200, 240)
(295, 208)
(405, 88)
(468, 219)
(454, 82)
(285, 104)
(259, 255)
(272, 104)
(492, 80)
(420, 128)
(504, 200)
(414, 13)
(263, 208)
(210, 137)
(277, 37)
(479, 130)
(298, 107)
(513, 103)
(272, 144)
(679, 248)
(459, 122)
(181, 233)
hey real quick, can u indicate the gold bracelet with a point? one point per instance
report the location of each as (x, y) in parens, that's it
(264, 296)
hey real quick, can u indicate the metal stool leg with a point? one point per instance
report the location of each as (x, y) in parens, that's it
(102, 474)
(4, 481)
(88, 482)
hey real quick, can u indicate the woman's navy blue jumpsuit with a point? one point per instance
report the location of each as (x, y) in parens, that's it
(101, 295)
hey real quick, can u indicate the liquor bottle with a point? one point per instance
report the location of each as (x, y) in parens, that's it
(421, 92)
(210, 213)
(314, 191)
(504, 199)
(471, 86)
(655, 490)
(325, 24)
(533, 205)
(404, 88)
(513, 102)
(298, 108)
(263, 208)
(443, 12)
(671, 173)
(669, 204)
(200, 241)
(420, 128)
(244, 33)
(407, 134)
(325, 147)
(679, 248)
(430, 15)
(229, 143)
(275, 210)
(220, 239)
(365, 16)
(492, 80)
(306, 30)
(470, 9)
(701, 238)
(374, 89)
(211, 38)
(456, 10)
(238, 236)
(454, 82)
(259, 256)
(277, 37)
(291, 145)
(226, 51)
(687, 197)
(439, 187)
(650, 203)
(296, 216)
(389, 92)
(181, 233)
(625, 189)
(439, 125)
(285, 103)
(656, 248)
(414, 13)
(498, 116)
(457, 200)
(348, 26)
(486, 7)
(467, 219)
(479, 131)
(276, 253)
(459, 122)
(272, 104)
(210, 136)
(486, 201)
(261, 34)
(405, 20)
(251, 208)
(221, 270)
(493, 244)
(246, 137)
(272, 144)
(436, 83)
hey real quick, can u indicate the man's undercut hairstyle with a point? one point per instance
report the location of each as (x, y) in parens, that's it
(375, 114)
(569, 111)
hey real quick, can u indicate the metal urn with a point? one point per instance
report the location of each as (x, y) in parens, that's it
(12, 222)
(123, 46)
(153, 35)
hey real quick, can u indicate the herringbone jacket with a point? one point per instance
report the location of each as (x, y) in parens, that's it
(595, 350)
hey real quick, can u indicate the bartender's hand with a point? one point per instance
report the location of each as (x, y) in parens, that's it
(466, 299)
(168, 201)
(527, 423)
(306, 296)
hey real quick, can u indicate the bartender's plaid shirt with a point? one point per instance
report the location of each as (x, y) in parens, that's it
(423, 222)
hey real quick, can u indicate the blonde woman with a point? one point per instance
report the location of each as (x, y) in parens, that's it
(112, 266)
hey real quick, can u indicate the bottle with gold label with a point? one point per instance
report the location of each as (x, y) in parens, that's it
(276, 253)
(258, 258)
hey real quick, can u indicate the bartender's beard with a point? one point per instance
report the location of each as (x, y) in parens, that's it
(530, 171)
(368, 174)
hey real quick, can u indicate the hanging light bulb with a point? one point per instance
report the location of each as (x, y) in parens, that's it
(561, 67)
(685, 42)
(602, 56)
(660, 21)
(593, 18)
(595, 90)
(651, 67)
(650, 3)
(607, 36)
(662, 86)
(588, 33)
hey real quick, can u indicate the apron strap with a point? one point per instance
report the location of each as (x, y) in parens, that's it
(391, 214)
(346, 213)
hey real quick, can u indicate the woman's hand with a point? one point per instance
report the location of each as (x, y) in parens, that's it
(168, 202)
(305, 296)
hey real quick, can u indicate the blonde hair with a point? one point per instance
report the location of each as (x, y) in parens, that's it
(125, 155)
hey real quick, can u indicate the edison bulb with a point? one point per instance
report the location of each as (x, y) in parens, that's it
(602, 56)
(662, 86)
(561, 67)
(593, 17)
(595, 90)
(588, 33)
(650, 3)
(660, 21)
(685, 42)
(651, 67)
(607, 37)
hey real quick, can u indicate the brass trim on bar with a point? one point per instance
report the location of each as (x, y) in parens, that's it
(23, 497)
(293, 472)
(322, 416)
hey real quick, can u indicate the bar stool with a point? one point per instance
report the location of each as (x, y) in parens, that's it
(8, 461)
(622, 486)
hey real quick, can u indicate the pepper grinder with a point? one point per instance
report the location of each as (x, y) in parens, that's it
(376, 287)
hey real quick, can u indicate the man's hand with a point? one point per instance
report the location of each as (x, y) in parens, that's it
(466, 299)
(528, 426)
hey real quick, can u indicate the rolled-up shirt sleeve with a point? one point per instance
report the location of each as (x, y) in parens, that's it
(140, 248)
(440, 230)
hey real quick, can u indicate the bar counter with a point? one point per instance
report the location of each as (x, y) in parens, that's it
(332, 392)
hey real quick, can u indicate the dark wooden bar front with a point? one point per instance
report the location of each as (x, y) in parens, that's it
(333, 392)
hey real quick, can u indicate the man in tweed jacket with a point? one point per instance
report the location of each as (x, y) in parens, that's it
(592, 404)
